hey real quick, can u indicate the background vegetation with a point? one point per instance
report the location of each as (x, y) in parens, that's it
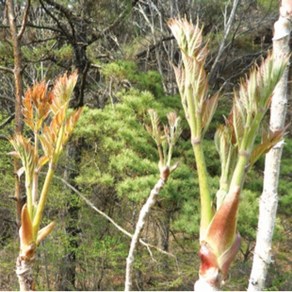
(123, 51)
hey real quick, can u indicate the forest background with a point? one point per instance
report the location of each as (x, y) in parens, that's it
(123, 52)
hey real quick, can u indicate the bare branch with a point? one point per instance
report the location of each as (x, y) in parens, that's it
(226, 33)
(62, 29)
(68, 14)
(154, 46)
(91, 205)
(3, 137)
(8, 120)
(122, 15)
(138, 230)
(44, 27)
(24, 20)
(6, 69)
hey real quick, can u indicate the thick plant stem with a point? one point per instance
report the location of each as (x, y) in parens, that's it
(24, 272)
(223, 226)
(138, 230)
(239, 172)
(50, 174)
(43, 197)
(206, 204)
(269, 198)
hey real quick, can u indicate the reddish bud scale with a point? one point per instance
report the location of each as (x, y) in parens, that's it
(164, 173)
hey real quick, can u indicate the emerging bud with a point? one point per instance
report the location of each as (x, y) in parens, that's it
(27, 245)
(44, 232)
(221, 243)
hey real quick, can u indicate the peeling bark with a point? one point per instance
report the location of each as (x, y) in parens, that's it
(24, 272)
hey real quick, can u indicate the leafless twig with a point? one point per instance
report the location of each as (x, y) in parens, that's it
(7, 121)
(227, 27)
(91, 205)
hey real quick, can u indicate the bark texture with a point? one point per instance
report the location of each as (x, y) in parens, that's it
(17, 71)
(24, 272)
(269, 198)
(138, 230)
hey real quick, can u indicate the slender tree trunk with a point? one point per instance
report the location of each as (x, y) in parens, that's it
(24, 264)
(138, 230)
(269, 198)
(19, 190)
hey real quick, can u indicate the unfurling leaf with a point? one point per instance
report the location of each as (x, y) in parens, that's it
(48, 139)
(175, 128)
(254, 98)
(225, 147)
(62, 91)
(50, 133)
(25, 151)
(36, 105)
(188, 36)
(269, 140)
(70, 123)
(238, 122)
(192, 78)
(208, 110)
(180, 79)
(42, 161)
(44, 232)
(155, 130)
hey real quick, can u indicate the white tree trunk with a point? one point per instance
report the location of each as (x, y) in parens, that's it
(138, 230)
(269, 198)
